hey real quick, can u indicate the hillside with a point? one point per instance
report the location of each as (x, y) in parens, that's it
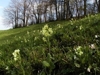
(53, 48)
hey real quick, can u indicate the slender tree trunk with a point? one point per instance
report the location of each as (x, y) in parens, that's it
(99, 6)
(85, 6)
(56, 9)
(17, 17)
(64, 9)
(38, 18)
(68, 9)
(15, 20)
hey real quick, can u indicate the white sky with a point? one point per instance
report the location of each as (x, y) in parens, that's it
(3, 4)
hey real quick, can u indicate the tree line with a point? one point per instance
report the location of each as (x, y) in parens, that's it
(21, 13)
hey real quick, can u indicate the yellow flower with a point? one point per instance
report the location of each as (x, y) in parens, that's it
(46, 31)
(59, 26)
(27, 32)
(25, 40)
(45, 27)
(81, 27)
(44, 39)
(7, 68)
(78, 50)
(71, 22)
(35, 38)
(50, 31)
(16, 54)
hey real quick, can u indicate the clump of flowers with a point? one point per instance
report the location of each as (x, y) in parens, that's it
(35, 38)
(16, 55)
(44, 39)
(28, 32)
(58, 25)
(7, 68)
(46, 31)
(71, 21)
(81, 27)
(78, 50)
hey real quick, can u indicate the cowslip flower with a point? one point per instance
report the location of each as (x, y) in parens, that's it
(35, 38)
(25, 40)
(16, 54)
(27, 32)
(7, 68)
(81, 27)
(44, 39)
(58, 25)
(71, 22)
(46, 31)
(78, 50)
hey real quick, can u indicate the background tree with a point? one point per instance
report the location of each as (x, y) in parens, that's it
(85, 6)
(21, 13)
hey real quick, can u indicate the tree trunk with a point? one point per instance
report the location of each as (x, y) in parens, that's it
(56, 9)
(85, 1)
(68, 9)
(99, 6)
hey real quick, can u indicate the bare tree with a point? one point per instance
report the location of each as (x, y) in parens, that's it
(24, 12)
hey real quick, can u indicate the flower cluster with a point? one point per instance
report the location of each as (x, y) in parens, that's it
(81, 27)
(35, 38)
(58, 25)
(46, 31)
(16, 54)
(71, 21)
(44, 39)
(28, 32)
(78, 50)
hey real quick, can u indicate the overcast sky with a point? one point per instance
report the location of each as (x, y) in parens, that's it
(4, 4)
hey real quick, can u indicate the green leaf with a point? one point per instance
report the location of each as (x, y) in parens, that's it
(77, 65)
(46, 64)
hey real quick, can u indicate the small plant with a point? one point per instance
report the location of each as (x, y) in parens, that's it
(18, 60)
(47, 33)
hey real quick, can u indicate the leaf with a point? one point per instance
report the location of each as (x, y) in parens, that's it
(77, 65)
(46, 64)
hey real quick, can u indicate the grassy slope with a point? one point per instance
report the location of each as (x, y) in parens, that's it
(10, 34)
(23, 38)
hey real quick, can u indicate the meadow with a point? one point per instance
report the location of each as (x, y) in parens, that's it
(53, 48)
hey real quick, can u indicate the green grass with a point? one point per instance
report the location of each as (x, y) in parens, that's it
(67, 51)
(6, 34)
